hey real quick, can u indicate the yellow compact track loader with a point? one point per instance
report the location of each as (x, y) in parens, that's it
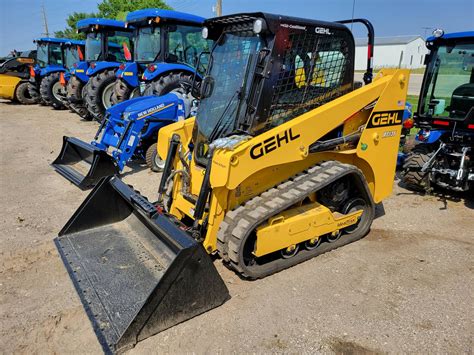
(285, 160)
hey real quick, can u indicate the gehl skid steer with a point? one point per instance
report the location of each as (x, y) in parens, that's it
(284, 160)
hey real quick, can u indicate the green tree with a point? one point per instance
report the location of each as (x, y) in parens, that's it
(118, 9)
(71, 29)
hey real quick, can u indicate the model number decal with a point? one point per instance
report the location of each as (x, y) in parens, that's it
(387, 118)
(272, 143)
(388, 134)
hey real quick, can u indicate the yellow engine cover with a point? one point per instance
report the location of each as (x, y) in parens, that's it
(8, 86)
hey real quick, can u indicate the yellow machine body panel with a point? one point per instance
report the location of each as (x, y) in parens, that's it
(266, 160)
(8, 86)
(299, 224)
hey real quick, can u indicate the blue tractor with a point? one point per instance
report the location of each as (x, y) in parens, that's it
(107, 46)
(53, 57)
(444, 153)
(167, 51)
(129, 132)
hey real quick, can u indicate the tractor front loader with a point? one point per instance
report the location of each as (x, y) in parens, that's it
(284, 160)
(129, 131)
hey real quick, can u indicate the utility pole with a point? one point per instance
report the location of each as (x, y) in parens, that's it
(46, 31)
(219, 7)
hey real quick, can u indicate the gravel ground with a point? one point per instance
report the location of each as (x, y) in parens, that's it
(406, 287)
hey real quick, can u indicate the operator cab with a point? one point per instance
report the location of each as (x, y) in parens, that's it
(447, 94)
(106, 40)
(266, 69)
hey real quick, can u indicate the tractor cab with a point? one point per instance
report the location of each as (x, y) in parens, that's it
(447, 94)
(106, 41)
(53, 56)
(167, 42)
(108, 44)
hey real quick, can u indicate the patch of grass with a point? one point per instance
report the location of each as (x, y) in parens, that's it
(413, 100)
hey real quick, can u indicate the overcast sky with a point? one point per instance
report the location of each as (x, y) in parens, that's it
(21, 20)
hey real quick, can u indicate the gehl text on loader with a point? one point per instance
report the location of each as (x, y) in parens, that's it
(284, 160)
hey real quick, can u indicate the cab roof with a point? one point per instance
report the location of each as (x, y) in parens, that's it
(452, 36)
(84, 25)
(60, 41)
(145, 14)
(273, 21)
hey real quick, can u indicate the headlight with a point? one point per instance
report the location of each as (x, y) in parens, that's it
(259, 25)
(438, 32)
(205, 32)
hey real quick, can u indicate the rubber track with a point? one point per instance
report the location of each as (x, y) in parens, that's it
(241, 221)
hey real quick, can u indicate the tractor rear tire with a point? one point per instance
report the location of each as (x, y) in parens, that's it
(167, 83)
(98, 86)
(76, 90)
(123, 92)
(22, 94)
(49, 90)
(153, 160)
(412, 176)
(33, 90)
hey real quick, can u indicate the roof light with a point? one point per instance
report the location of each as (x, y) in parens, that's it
(438, 33)
(259, 25)
(157, 19)
(205, 32)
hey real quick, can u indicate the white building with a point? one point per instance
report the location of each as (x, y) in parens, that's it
(392, 52)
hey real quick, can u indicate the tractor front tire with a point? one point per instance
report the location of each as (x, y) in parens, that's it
(412, 176)
(97, 92)
(22, 94)
(153, 160)
(33, 90)
(167, 83)
(123, 92)
(76, 90)
(49, 89)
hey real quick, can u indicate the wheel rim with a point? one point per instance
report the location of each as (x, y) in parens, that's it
(354, 205)
(312, 243)
(57, 90)
(107, 95)
(290, 251)
(332, 237)
(160, 163)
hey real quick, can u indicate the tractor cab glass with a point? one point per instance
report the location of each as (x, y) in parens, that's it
(147, 44)
(119, 43)
(449, 83)
(185, 43)
(227, 87)
(93, 46)
(42, 55)
(71, 56)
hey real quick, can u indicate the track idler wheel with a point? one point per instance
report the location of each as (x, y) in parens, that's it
(290, 252)
(353, 205)
(312, 243)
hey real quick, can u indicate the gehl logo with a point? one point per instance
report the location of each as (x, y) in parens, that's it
(272, 143)
(322, 31)
(387, 118)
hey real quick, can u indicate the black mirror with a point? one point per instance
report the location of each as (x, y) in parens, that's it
(207, 86)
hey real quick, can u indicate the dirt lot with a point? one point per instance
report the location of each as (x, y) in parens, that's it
(406, 287)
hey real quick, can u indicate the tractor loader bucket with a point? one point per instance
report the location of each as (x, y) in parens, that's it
(135, 270)
(83, 164)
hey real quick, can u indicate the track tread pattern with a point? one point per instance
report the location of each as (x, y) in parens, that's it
(239, 222)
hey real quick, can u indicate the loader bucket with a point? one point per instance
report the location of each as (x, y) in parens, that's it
(83, 164)
(136, 271)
